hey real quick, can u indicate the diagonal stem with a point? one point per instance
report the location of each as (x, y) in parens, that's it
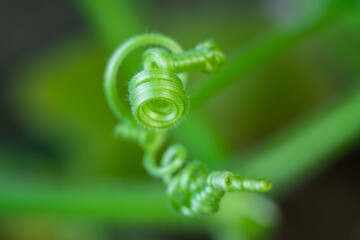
(267, 48)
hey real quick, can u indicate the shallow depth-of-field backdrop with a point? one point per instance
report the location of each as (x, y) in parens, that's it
(286, 107)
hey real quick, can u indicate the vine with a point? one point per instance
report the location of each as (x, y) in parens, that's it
(158, 102)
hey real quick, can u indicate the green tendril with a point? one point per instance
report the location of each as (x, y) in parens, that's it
(159, 101)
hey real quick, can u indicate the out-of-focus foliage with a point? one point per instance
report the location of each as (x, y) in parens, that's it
(58, 97)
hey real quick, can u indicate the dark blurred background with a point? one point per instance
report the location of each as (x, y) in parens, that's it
(55, 123)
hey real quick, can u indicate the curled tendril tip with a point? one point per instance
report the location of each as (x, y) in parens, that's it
(159, 101)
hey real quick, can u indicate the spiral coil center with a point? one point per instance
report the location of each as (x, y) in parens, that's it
(158, 98)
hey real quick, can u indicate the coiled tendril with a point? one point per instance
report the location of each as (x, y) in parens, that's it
(158, 101)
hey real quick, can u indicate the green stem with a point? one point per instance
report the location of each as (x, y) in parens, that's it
(308, 145)
(267, 48)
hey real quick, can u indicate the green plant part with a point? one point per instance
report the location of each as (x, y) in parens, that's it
(159, 101)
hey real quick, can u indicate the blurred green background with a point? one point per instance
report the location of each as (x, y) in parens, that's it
(286, 107)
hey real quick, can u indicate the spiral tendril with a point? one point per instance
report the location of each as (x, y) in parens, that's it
(159, 101)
